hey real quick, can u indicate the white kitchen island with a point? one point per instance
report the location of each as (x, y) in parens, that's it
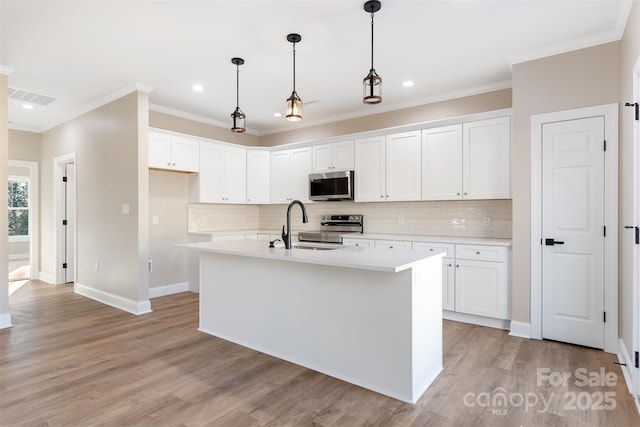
(372, 317)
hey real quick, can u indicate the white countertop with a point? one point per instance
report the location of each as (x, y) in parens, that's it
(376, 236)
(385, 260)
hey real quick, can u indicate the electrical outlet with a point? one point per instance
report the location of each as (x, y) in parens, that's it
(155, 220)
(487, 221)
(125, 209)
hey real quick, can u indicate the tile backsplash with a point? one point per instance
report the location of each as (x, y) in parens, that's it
(469, 218)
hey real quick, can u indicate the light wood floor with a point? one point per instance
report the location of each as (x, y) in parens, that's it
(71, 361)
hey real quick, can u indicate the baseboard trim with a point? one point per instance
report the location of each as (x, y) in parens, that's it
(46, 277)
(520, 329)
(476, 320)
(161, 291)
(5, 320)
(626, 361)
(125, 304)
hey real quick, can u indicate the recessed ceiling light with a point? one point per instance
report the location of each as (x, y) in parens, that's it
(407, 83)
(197, 88)
(277, 114)
(27, 106)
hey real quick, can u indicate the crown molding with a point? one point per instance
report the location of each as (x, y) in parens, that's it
(5, 70)
(196, 118)
(14, 126)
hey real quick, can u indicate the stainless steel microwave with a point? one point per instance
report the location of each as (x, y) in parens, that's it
(331, 186)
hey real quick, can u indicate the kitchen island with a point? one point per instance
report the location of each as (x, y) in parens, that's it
(372, 317)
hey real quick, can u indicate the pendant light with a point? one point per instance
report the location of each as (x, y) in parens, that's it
(294, 103)
(372, 84)
(237, 117)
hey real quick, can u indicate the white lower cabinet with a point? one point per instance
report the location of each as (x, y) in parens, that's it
(448, 284)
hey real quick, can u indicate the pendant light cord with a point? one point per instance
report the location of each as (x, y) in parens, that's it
(371, 40)
(237, 86)
(294, 66)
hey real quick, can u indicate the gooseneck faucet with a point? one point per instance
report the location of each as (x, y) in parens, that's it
(286, 237)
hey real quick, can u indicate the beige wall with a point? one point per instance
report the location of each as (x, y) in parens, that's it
(190, 127)
(489, 101)
(629, 53)
(576, 79)
(168, 201)
(110, 146)
(24, 145)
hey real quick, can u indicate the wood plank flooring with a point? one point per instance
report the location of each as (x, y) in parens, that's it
(70, 361)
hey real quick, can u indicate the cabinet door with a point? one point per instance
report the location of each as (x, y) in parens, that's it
(159, 150)
(258, 177)
(300, 168)
(323, 158)
(280, 176)
(235, 175)
(486, 159)
(210, 186)
(481, 288)
(369, 170)
(343, 155)
(402, 162)
(442, 163)
(448, 284)
(184, 154)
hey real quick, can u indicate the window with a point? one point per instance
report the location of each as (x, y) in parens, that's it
(18, 208)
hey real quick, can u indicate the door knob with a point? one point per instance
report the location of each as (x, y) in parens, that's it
(637, 233)
(551, 242)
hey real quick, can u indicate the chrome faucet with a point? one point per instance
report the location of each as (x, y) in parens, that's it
(286, 237)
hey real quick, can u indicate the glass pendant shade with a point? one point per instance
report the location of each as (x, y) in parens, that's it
(237, 117)
(372, 88)
(237, 120)
(294, 107)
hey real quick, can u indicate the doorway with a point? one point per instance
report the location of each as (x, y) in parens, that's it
(23, 225)
(574, 201)
(65, 218)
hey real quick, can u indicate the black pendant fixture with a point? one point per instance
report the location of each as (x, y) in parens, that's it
(372, 84)
(294, 103)
(237, 117)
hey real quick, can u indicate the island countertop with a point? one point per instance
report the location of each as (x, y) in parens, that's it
(375, 259)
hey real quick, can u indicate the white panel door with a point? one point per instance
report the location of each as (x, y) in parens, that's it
(481, 288)
(184, 154)
(486, 159)
(370, 169)
(442, 163)
(402, 166)
(573, 231)
(159, 150)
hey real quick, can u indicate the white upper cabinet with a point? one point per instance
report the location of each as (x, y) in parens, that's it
(222, 177)
(402, 166)
(486, 159)
(336, 156)
(442, 163)
(370, 169)
(258, 176)
(173, 152)
(387, 168)
(290, 171)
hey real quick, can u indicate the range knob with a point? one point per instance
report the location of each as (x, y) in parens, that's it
(324, 218)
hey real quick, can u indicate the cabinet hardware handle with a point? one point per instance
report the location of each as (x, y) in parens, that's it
(478, 253)
(457, 265)
(465, 194)
(457, 194)
(449, 265)
(431, 249)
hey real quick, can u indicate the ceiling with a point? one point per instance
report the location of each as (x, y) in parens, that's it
(87, 53)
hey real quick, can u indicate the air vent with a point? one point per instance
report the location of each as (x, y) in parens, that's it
(30, 97)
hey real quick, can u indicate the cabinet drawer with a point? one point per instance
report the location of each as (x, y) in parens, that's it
(481, 253)
(436, 247)
(393, 244)
(363, 243)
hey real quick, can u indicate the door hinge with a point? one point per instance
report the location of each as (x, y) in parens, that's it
(64, 179)
(637, 361)
(636, 106)
(604, 316)
(64, 265)
(64, 222)
(605, 145)
(604, 232)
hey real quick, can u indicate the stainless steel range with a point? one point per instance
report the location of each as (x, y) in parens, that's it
(332, 227)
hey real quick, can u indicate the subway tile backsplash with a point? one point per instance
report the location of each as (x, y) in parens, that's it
(468, 218)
